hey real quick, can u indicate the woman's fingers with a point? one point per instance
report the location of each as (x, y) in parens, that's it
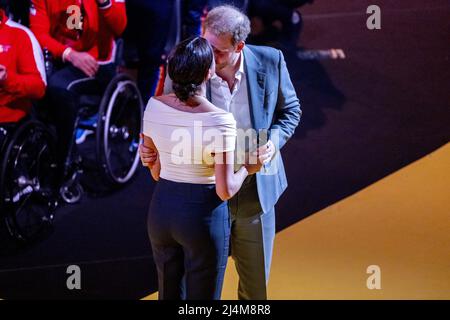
(148, 156)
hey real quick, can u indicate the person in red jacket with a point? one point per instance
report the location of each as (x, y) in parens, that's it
(80, 35)
(22, 72)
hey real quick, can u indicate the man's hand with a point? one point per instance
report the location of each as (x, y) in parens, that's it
(263, 155)
(148, 156)
(83, 61)
(3, 73)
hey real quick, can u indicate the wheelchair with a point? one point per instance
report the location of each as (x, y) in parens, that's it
(109, 158)
(29, 188)
(27, 173)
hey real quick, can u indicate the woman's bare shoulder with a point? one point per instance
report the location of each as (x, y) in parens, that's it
(210, 107)
(167, 99)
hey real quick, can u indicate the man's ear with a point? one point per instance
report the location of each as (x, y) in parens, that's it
(240, 46)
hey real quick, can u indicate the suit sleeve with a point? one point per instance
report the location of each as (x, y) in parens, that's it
(114, 13)
(40, 25)
(29, 80)
(287, 112)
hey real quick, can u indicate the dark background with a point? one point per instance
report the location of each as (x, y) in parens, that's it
(364, 117)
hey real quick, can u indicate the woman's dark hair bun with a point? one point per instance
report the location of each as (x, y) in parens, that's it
(188, 65)
(184, 91)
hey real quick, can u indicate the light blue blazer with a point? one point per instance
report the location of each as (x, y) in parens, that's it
(275, 111)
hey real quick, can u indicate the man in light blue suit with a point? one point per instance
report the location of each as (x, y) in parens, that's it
(253, 83)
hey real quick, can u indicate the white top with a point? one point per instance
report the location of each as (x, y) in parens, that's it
(186, 140)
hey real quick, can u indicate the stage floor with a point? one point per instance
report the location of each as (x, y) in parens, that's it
(366, 184)
(400, 224)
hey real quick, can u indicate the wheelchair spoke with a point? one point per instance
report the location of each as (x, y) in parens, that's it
(118, 160)
(117, 115)
(26, 192)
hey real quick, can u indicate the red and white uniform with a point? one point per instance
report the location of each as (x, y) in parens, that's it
(52, 23)
(21, 54)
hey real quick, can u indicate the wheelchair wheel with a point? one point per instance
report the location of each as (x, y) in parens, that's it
(27, 185)
(118, 129)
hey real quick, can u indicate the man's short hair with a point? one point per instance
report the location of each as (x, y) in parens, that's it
(227, 19)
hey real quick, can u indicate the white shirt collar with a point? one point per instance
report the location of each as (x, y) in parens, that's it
(241, 66)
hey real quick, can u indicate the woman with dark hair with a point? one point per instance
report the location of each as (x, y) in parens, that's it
(194, 142)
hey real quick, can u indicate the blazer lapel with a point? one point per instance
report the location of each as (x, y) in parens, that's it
(256, 81)
(208, 91)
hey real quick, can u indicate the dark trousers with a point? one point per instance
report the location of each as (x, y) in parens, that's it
(149, 26)
(252, 238)
(65, 87)
(189, 230)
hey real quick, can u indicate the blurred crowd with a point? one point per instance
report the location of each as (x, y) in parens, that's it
(154, 27)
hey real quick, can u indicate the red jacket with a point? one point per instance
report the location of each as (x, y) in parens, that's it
(21, 55)
(49, 22)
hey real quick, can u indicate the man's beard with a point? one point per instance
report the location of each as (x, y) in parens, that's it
(220, 66)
